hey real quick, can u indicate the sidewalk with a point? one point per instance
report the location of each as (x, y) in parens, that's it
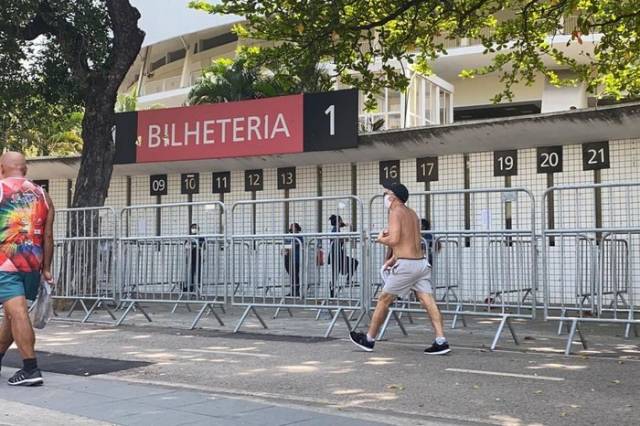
(70, 400)
(144, 371)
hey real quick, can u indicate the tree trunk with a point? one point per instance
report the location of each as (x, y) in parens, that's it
(98, 150)
(96, 165)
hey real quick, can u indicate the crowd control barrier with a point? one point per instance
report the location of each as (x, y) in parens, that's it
(319, 266)
(161, 260)
(591, 238)
(84, 260)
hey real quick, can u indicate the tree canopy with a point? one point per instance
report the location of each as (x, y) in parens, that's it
(371, 42)
(228, 80)
(59, 57)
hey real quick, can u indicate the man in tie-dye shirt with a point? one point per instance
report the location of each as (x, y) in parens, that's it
(26, 250)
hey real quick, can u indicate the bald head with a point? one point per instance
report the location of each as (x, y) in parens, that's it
(13, 164)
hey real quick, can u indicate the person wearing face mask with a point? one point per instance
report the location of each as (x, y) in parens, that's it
(406, 270)
(196, 252)
(293, 259)
(340, 262)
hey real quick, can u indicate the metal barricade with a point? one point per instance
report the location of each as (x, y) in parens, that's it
(84, 259)
(316, 270)
(162, 261)
(483, 250)
(590, 273)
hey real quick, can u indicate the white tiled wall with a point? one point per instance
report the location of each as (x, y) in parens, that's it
(572, 208)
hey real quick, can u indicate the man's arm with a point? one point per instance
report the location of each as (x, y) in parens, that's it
(389, 254)
(392, 235)
(48, 241)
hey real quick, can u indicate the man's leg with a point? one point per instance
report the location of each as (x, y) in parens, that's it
(380, 314)
(6, 339)
(367, 341)
(21, 330)
(25, 338)
(429, 304)
(440, 346)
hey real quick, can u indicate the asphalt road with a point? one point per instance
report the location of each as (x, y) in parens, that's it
(398, 384)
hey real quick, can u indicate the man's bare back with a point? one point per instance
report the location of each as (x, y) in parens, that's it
(408, 227)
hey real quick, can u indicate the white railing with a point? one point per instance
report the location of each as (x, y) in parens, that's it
(159, 86)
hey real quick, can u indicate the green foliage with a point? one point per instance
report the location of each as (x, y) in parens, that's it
(373, 42)
(57, 58)
(127, 101)
(228, 80)
(44, 130)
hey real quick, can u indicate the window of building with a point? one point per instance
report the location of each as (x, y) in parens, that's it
(220, 40)
(176, 55)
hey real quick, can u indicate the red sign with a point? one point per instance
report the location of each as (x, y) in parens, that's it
(237, 129)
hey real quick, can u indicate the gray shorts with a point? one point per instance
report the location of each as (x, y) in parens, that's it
(407, 275)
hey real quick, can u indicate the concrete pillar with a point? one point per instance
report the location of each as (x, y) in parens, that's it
(185, 79)
(563, 98)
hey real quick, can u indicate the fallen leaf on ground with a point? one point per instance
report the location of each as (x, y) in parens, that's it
(395, 387)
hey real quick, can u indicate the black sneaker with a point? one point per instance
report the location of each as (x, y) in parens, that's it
(436, 349)
(361, 341)
(23, 378)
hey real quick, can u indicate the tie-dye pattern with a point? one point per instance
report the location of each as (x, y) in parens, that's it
(23, 213)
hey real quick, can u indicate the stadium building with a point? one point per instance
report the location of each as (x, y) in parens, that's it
(443, 135)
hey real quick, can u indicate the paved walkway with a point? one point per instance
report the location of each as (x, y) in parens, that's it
(70, 400)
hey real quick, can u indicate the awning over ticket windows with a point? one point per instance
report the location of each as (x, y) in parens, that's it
(562, 128)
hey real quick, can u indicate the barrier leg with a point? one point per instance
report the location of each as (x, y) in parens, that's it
(627, 329)
(512, 331)
(458, 313)
(143, 312)
(505, 320)
(124, 315)
(106, 308)
(385, 324)
(90, 311)
(73, 308)
(363, 313)
(324, 303)
(99, 304)
(572, 333)
(339, 313)
(244, 316)
(205, 308)
(275, 315)
(563, 312)
(180, 298)
(409, 317)
(88, 314)
(352, 315)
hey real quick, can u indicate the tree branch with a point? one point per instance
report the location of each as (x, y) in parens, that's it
(617, 19)
(127, 39)
(390, 17)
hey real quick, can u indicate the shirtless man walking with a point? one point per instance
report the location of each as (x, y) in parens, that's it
(406, 269)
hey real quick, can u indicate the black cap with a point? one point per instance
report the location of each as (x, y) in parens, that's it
(399, 190)
(333, 219)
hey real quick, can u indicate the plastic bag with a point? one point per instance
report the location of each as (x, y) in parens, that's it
(43, 307)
